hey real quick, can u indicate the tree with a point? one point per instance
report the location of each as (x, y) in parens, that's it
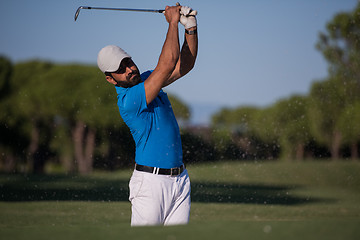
(8, 134)
(350, 127)
(326, 103)
(5, 76)
(240, 132)
(268, 130)
(221, 123)
(341, 48)
(341, 45)
(27, 111)
(291, 115)
(82, 101)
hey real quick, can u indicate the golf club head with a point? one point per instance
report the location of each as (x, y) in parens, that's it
(77, 13)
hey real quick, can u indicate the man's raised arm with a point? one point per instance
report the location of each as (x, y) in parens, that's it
(190, 47)
(168, 58)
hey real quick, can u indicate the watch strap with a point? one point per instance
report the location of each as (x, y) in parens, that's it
(192, 32)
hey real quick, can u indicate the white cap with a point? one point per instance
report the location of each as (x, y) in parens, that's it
(110, 57)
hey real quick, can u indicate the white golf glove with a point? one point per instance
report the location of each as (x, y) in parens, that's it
(187, 17)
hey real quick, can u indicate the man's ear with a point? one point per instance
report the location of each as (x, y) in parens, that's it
(110, 80)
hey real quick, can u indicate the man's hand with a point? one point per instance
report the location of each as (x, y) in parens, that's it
(186, 18)
(172, 14)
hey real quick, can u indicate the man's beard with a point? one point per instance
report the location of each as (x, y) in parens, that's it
(134, 80)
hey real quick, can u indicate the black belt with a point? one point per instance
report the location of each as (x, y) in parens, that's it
(162, 171)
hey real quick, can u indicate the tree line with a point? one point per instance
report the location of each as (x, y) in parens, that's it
(323, 123)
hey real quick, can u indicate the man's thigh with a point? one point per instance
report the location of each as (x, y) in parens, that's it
(149, 198)
(180, 211)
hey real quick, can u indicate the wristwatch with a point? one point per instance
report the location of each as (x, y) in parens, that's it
(193, 32)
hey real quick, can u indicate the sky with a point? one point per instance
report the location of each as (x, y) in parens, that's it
(251, 52)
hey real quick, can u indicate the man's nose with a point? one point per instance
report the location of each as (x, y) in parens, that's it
(128, 69)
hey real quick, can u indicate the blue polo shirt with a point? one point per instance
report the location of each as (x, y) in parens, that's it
(154, 127)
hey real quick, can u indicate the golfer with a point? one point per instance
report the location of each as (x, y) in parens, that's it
(160, 184)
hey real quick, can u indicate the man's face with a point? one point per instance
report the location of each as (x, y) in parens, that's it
(127, 75)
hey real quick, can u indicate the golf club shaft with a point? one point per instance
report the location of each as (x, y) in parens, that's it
(126, 9)
(118, 9)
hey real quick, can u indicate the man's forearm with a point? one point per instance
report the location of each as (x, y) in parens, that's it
(189, 50)
(171, 48)
(187, 58)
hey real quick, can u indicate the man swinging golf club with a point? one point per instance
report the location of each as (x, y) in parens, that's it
(160, 184)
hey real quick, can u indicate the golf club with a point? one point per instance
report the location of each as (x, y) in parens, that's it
(124, 9)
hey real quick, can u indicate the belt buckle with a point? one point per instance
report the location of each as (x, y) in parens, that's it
(176, 172)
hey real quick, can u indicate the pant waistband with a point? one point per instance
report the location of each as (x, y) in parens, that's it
(161, 171)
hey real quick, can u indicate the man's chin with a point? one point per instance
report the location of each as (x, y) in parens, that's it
(136, 80)
(130, 83)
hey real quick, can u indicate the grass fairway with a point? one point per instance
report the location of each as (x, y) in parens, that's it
(230, 200)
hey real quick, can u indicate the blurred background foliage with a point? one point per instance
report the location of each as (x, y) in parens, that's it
(64, 117)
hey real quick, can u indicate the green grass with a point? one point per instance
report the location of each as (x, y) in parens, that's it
(230, 200)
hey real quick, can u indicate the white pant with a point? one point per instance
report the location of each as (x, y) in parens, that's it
(159, 199)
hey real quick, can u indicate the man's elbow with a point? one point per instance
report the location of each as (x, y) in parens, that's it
(185, 68)
(191, 65)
